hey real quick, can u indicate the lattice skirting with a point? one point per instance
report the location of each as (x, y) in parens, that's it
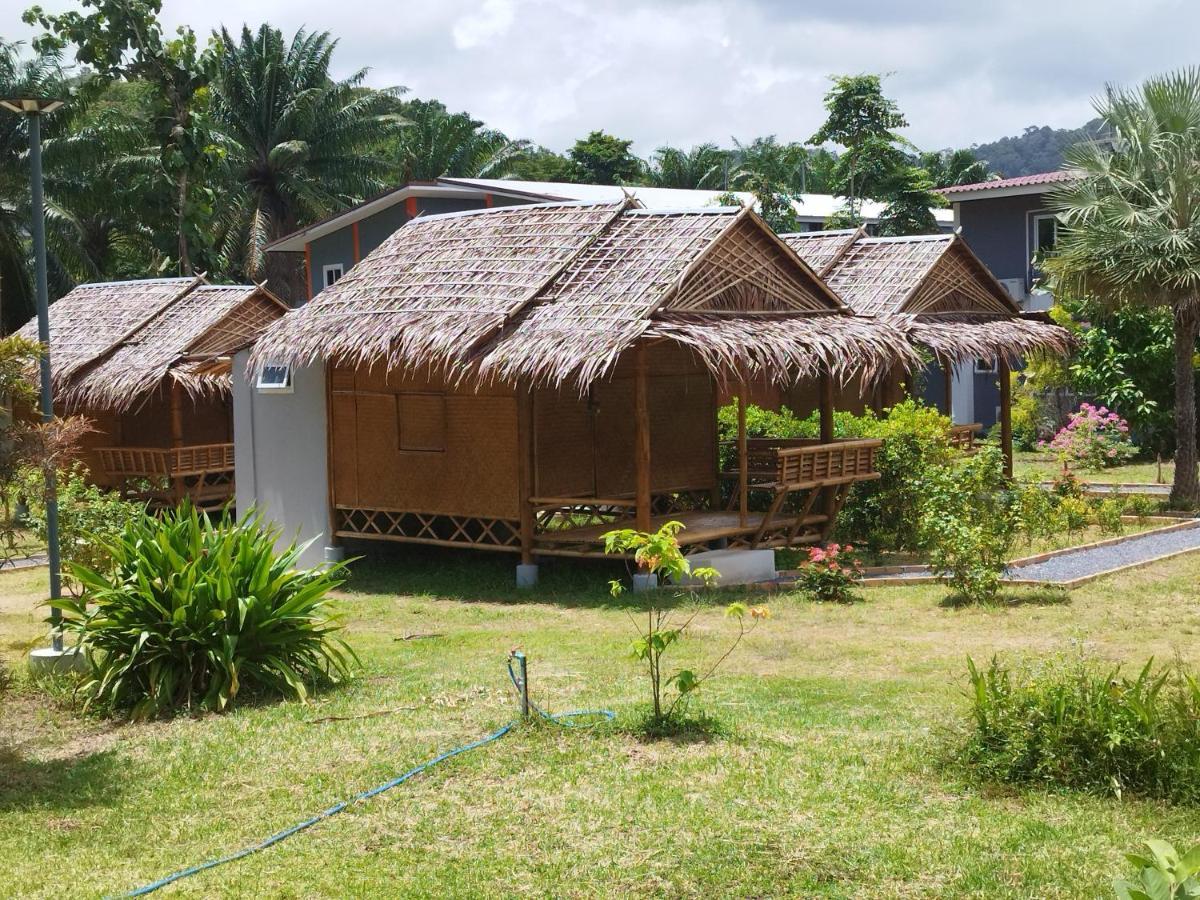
(428, 528)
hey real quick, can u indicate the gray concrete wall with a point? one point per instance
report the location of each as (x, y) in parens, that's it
(280, 455)
(336, 247)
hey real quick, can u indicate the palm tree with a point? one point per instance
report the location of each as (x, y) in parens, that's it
(1130, 230)
(38, 75)
(298, 145)
(948, 168)
(435, 143)
(705, 166)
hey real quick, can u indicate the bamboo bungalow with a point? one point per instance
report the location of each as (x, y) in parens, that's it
(148, 362)
(525, 378)
(937, 291)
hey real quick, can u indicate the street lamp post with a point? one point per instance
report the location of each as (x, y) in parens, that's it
(33, 108)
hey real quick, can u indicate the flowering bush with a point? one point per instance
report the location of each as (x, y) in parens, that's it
(831, 574)
(1095, 438)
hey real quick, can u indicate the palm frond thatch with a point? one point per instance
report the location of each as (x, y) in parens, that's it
(114, 344)
(555, 293)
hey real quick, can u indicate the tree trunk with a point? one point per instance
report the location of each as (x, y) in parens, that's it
(185, 258)
(1185, 492)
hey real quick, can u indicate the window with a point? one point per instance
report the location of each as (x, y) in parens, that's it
(422, 419)
(332, 274)
(275, 378)
(985, 367)
(1045, 233)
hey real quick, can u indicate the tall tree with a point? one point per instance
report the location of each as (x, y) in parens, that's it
(436, 143)
(948, 168)
(298, 145)
(1131, 220)
(36, 75)
(605, 159)
(124, 39)
(862, 121)
(704, 167)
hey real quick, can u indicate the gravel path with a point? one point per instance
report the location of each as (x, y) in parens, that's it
(1124, 490)
(1081, 563)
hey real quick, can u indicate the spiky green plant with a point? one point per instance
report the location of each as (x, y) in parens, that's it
(1131, 228)
(195, 612)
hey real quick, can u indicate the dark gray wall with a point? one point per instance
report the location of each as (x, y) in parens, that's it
(337, 247)
(999, 232)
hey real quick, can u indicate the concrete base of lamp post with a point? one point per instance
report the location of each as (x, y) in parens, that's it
(48, 661)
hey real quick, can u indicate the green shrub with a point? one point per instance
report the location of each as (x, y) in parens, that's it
(1073, 515)
(1108, 516)
(89, 518)
(782, 424)
(968, 517)
(191, 613)
(1162, 874)
(1036, 512)
(885, 514)
(1078, 725)
(1031, 420)
(1142, 505)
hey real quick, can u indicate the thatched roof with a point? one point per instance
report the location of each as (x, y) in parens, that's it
(112, 345)
(556, 292)
(935, 288)
(822, 249)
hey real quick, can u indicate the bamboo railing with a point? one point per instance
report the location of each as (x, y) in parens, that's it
(165, 475)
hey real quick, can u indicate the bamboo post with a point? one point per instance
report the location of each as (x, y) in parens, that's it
(948, 383)
(525, 464)
(743, 462)
(176, 437)
(826, 408)
(714, 413)
(1006, 444)
(641, 420)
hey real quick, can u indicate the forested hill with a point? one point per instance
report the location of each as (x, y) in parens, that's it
(1036, 150)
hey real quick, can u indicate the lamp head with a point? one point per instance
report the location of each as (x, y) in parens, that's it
(30, 106)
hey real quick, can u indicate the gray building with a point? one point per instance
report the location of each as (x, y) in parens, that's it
(1007, 223)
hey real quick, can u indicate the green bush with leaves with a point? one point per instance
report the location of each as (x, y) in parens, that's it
(658, 554)
(192, 612)
(1080, 724)
(1107, 514)
(89, 518)
(968, 516)
(1162, 874)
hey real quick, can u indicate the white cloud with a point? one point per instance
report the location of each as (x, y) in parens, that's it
(686, 71)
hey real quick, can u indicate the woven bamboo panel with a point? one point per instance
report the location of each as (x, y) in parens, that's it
(955, 284)
(564, 445)
(343, 422)
(240, 326)
(748, 271)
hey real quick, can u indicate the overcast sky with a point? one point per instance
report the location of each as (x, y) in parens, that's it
(680, 72)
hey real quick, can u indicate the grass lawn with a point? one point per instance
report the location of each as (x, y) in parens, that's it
(1045, 466)
(832, 779)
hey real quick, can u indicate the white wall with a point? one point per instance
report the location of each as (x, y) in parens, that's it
(280, 455)
(962, 394)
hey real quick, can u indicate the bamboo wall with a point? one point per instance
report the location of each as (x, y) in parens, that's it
(421, 445)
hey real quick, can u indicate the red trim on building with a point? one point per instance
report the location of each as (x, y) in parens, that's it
(487, 201)
(354, 238)
(410, 207)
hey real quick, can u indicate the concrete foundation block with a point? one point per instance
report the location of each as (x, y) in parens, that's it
(644, 581)
(735, 566)
(527, 575)
(48, 661)
(335, 554)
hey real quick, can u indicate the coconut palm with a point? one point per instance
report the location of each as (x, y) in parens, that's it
(298, 145)
(1130, 228)
(34, 75)
(705, 166)
(435, 143)
(948, 168)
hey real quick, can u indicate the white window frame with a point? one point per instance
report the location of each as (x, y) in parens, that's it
(283, 386)
(325, 272)
(981, 369)
(1038, 218)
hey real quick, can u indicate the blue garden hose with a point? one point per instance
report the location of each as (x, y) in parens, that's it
(572, 719)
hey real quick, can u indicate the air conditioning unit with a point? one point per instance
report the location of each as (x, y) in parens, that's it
(1039, 300)
(1015, 288)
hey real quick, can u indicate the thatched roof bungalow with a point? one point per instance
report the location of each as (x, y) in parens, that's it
(149, 362)
(523, 377)
(934, 289)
